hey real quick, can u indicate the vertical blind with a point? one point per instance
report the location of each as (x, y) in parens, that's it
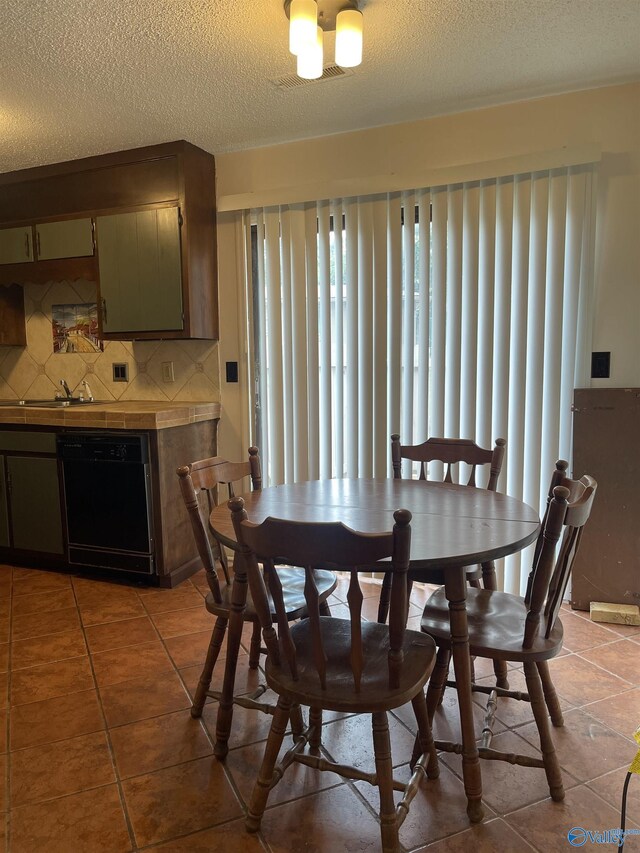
(455, 311)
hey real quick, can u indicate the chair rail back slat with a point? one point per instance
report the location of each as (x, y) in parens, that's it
(449, 451)
(206, 475)
(568, 510)
(333, 545)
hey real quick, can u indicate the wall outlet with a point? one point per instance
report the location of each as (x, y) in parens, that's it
(167, 372)
(120, 371)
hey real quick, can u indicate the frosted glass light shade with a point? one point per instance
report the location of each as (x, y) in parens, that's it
(303, 22)
(310, 61)
(349, 38)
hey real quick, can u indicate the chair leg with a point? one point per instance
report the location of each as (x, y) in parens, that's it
(489, 575)
(551, 765)
(315, 724)
(385, 598)
(550, 695)
(262, 786)
(500, 670)
(254, 648)
(297, 721)
(384, 772)
(325, 610)
(215, 644)
(437, 681)
(424, 739)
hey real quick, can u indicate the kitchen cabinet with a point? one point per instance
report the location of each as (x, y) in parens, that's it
(69, 238)
(34, 499)
(16, 245)
(175, 181)
(30, 499)
(13, 328)
(4, 509)
(140, 271)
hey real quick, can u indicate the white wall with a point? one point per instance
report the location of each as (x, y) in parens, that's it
(607, 117)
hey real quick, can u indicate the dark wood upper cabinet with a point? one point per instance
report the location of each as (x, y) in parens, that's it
(45, 214)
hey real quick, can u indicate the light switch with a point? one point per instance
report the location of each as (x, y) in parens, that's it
(167, 372)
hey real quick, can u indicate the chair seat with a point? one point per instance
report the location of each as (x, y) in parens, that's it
(496, 626)
(292, 581)
(375, 693)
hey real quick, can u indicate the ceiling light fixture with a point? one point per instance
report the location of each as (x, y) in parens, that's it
(309, 19)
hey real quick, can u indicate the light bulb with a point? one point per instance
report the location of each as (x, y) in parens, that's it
(349, 38)
(310, 61)
(303, 21)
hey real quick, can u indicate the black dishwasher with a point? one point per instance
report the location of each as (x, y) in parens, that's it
(108, 501)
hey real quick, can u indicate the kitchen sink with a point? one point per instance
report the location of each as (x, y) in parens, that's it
(62, 403)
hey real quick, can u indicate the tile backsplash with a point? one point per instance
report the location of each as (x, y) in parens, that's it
(35, 371)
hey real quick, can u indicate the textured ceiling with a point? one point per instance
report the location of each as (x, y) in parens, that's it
(81, 77)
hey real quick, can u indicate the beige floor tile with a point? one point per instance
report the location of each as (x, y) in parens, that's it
(427, 820)
(40, 582)
(581, 634)
(191, 649)
(164, 601)
(193, 796)
(150, 745)
(298, 781)
(621, 658)
(91, 822)
(43, 602)
(545, 825)
(116, 665)
(116, 635)
(610, 786)
(487, 837)
(179, 622)
(230, 838)
(583, 745)
(57, 769)
(55, 719)
(507, 787)
(50, 647)
(621, 713)
(142, 698)
(111, 611)
(334, 820)
(39, 624)
(51, 679)
(246, 679)
(580, 682)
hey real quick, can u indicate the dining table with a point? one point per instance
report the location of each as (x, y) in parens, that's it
(452, 527)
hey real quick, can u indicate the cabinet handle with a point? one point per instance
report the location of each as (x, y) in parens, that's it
(37, 242)
(104, 311)
(27, 248)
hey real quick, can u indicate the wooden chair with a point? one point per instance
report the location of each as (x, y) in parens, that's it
(207, 476)
(526, 630)
(449, 451)
(338, 664)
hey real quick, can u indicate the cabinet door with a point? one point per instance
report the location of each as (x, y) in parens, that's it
(34, 496)
(4, 515)
(16, 245)
(140, 271)
(71, 238)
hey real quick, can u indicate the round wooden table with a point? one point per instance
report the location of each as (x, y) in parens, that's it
(452, 527)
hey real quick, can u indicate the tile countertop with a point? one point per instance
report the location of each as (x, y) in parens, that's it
(125, 415)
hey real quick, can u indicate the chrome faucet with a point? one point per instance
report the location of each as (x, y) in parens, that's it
(66, 389)
(87, 391)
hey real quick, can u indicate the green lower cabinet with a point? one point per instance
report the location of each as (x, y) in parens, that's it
(4, 513)
(34, 497)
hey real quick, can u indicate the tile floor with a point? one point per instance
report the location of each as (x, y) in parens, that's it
(98, 751)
